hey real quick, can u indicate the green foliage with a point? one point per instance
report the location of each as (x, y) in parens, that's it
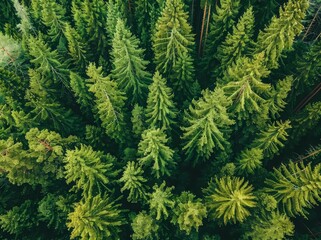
(222, 21)
(109, 101)
(154, 151)
(161, 201)
(249, 160)
(133, 180)
(173, 37)
(230, 200)
(90, 170)
(129, 67)
(95, 218)
(138, 120)
(144, 226)
(237, 43)
(19, 218)
(162, 114)
(270, 140)
(10, 50)
(280, 34)
(189, 212)
(272, 227)
(296, 187)
(207, 121)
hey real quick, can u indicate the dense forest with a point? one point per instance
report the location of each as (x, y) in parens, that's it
(160, 119)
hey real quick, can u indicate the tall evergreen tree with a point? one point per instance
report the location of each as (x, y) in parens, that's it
(144, 227)
(109, 102)
(154, 151)
(95, 218)
(230, 199)
(296, 187)
(280, 34)
(207, 121)
(173, 37)
(129, 67)
(160, 110)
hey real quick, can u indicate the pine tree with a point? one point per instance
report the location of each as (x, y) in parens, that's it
(161, 201)
(133, 180)
(173, 37)
(280, 34)
(274, 226)
(144, 227)
(90, 170)
(237, 43)
(160, 110)
(95, 218)
(189, 212)
(222, 21)
(230, 199)
(154, 151)
(270, 140)
(129, 67)
(296, 187)
(249, 160)
(109, 102)
(207, 121)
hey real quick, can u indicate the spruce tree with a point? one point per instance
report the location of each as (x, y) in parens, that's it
(237, 43)
(189, 212)
(249, 160)
(134, 181)
(154, 152)
(173, 37)
(96, 217)
(109, 100)
(138, 120)
(161, 201)
(296, 187)
(280, 34)
(129, 67)
(222, 21)
(90, 170)
(144, 227)
(230, 200)
(270, 140)
(160, 110)
(207, 121)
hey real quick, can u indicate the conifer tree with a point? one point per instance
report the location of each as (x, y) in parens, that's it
(296, 187)
(222, 20)
(270, 140)
(189, 212)
(243, 85)
(160, 110)
(134, 181)
(161, 201)
(173, 37)
(96, 217)
(229, 199)
(90, 170)
(129, 67)
(276, 102)
(237, 43)
(207, 121)
(109, 102)
(280, 34)
(249, 160)
(273, 226)
(77, 48)
(10, 50)
(53, 17)
(138, 120)
(115, 10)
(144, 227)
(154, 151)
